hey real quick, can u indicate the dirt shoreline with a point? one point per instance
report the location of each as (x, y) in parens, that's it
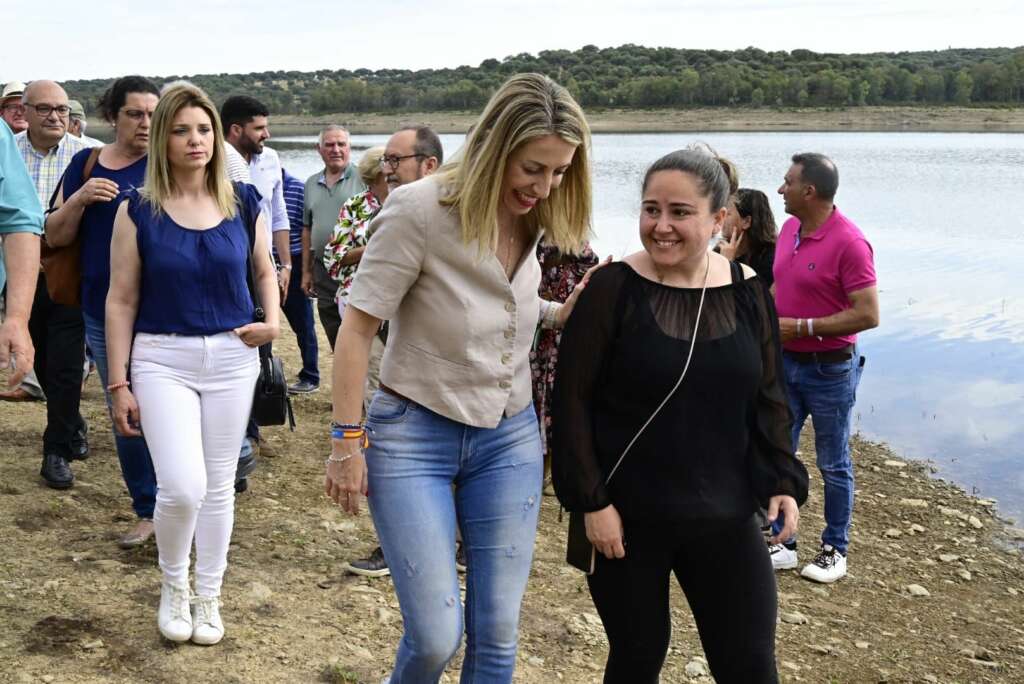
(74, 608)
(938, 119)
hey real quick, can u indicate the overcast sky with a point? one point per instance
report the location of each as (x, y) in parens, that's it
(104, 38)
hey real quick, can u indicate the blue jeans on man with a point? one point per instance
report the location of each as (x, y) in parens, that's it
(414, 458)
(827, 392)
(132, 452)
(298, 309)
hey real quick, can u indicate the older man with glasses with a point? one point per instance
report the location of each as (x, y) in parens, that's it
(57, 331)
(11, 108)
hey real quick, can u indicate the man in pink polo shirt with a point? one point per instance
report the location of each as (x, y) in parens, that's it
(825, 293)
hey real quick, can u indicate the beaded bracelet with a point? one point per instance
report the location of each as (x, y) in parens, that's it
(117, 385)
(349, 431)
(337, 459)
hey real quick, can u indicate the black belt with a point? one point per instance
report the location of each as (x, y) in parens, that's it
(830, 356)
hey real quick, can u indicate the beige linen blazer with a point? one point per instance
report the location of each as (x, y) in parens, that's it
(460, 332)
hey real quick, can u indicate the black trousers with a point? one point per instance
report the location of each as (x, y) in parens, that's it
(726, 574)
(330, 319)
(58, 334)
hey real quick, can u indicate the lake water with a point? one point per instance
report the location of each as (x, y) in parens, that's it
(944, 379)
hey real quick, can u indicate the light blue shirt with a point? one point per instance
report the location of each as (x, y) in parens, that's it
(20, 211)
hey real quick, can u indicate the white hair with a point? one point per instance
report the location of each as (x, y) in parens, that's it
(327, 129)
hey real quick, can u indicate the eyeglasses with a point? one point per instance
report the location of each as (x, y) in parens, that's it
(45, 109)
(16, 106)
(137, 114)
(393, 161)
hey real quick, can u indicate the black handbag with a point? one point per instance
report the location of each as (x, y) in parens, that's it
(271, 404)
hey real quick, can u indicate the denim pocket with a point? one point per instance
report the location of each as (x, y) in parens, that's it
(835, 371)
(387, 408)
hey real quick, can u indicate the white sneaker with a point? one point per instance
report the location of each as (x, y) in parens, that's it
(827, 567)
(783, 557)
(208, 629)
(174, 617)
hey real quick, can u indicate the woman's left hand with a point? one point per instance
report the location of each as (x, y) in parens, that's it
(791, 513)
(566, 309)
(257, 334)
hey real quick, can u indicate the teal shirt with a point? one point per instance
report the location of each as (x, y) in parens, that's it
(19, 206)
(321, 207)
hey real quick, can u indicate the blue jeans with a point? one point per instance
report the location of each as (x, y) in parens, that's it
(136, 464)
(827, 392)
(414, 459)
(299, 312)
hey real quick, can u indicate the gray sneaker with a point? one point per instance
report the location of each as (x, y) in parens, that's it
(373, 566)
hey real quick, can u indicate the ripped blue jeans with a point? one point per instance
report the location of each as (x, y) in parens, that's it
(414, 459)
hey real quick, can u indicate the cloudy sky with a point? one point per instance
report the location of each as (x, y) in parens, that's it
(105, 38)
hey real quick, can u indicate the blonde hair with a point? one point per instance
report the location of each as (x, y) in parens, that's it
(369, 164)
(525, 107)
(159, 186)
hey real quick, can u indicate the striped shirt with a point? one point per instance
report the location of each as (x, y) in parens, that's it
(238, 169)
(47, 169)
(294, 194)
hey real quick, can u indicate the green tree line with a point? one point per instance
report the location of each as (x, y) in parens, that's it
(632, 76)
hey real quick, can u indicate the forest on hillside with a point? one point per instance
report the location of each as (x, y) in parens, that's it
(632, 76)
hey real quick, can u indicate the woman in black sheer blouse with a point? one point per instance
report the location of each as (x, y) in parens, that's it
(684, 498)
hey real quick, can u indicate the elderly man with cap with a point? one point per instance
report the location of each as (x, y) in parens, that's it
(11, 108)
(77, 124)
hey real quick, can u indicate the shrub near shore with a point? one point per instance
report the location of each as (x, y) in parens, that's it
(934, 594)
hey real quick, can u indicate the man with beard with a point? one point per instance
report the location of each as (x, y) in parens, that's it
(246, 128)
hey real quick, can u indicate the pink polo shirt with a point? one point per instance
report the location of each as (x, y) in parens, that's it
(814, 275)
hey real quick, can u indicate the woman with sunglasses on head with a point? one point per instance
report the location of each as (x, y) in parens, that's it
(85, 210)
(180, 308)
(670, 426)
(452, 265)
(749, 233)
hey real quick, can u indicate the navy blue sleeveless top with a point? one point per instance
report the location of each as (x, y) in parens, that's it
(193, 282)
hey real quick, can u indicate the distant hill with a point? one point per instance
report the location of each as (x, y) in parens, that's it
(635, 76)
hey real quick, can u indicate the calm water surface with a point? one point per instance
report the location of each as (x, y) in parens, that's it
(944, 379)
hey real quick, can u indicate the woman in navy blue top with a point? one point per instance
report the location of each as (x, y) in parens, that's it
(180, 304)
(85, 209)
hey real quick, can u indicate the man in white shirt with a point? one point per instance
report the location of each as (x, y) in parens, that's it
(246, 129)
(245, 125)
(77, 124)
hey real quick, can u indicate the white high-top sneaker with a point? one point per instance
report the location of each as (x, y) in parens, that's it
(827, 567)
(174, 617)
(208, 629)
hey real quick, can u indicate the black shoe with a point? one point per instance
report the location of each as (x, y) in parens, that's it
(56, 472)
(460, 557)
(374, 566)
(79, 445)
(303, 387)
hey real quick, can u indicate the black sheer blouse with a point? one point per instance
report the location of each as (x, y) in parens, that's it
(720, 446)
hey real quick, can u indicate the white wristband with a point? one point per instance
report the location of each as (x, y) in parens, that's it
(810, 327)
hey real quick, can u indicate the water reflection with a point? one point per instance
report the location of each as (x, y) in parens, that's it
(945, 375)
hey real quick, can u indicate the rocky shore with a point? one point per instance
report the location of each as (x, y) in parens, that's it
(935, 591)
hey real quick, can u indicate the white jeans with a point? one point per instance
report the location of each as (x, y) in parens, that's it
(195, 395)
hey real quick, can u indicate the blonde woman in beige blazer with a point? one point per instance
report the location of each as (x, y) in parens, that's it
(452, 266)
